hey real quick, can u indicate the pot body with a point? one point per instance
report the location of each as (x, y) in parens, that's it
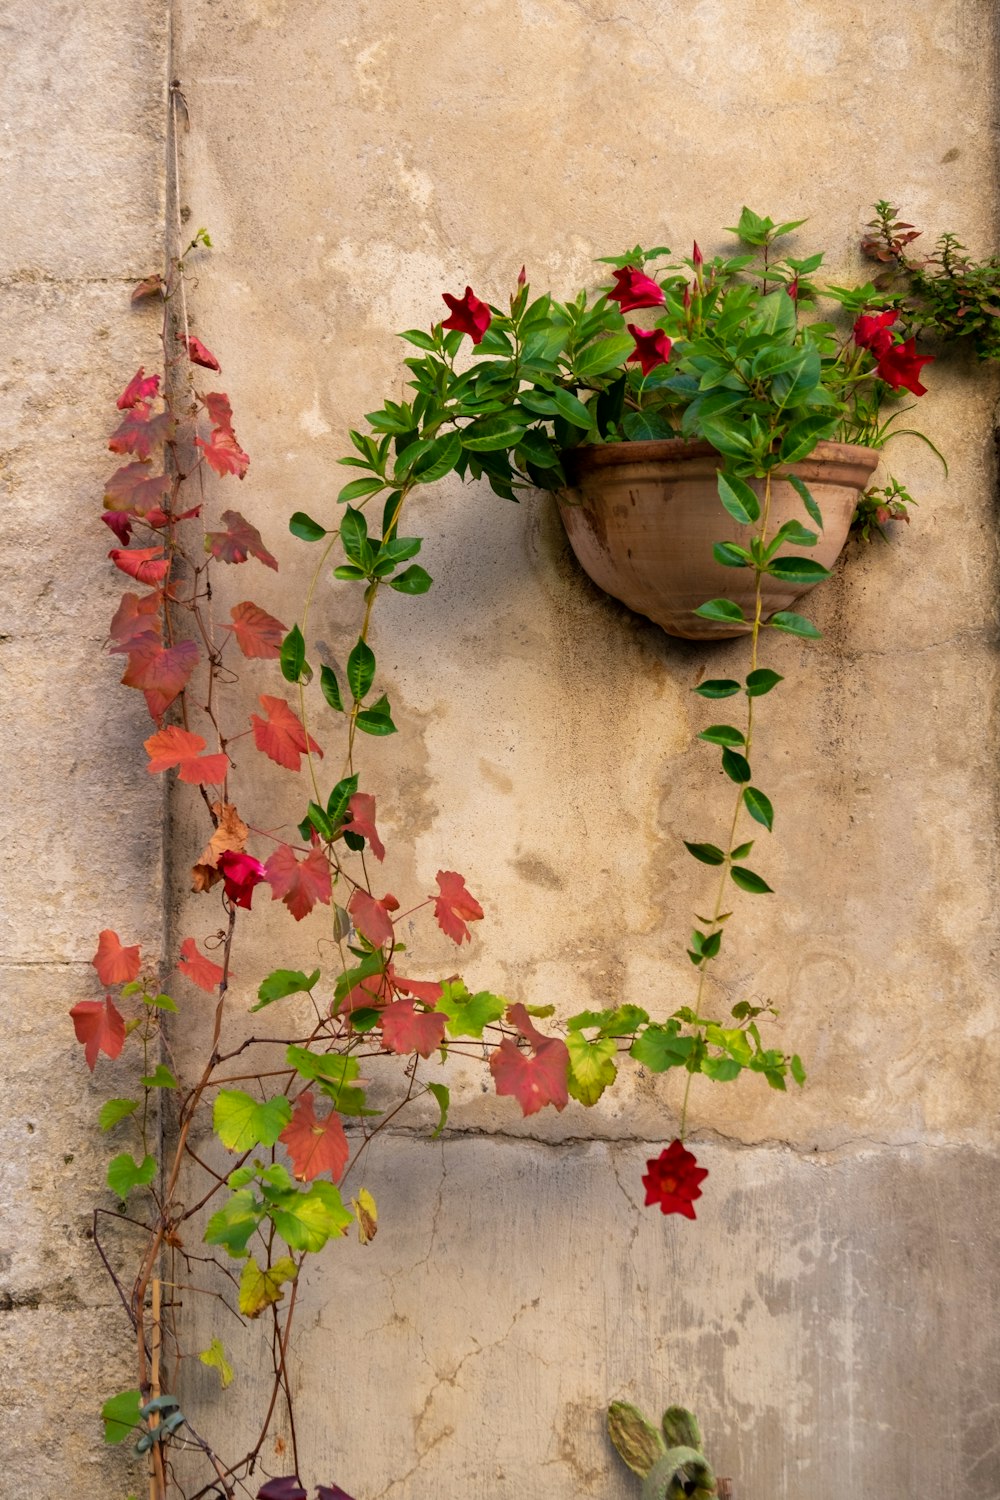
(642, 519)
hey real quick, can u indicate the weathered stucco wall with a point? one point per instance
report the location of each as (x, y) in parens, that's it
(352, 162)
(81, 208)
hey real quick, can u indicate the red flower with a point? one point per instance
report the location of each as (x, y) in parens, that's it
(651, 349)
(468, 315)
(900, 365)
(672, 1180)
(871, 331)
(697, 258)
(793, 288)
(241, 873)
(635, 289)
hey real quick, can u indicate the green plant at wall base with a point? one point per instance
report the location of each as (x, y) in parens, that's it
(735, 356)
(669, 1459)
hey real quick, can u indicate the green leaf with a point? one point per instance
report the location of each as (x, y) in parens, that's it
(293, 655)
(758, 806)
(642, 426)
(720, 609)
(742, 851)
(622, 1021)
(710, 946)
(739, 499)
(805, 495)
(709, 854)
(443, 1098)
(376, 719)
(468, 1014)
(591, 1066)
(215, 1357)
(722, 734)
(489, 434)
(717, 687)
(332, 1067)
(438, 458)
(159, 1002)
(600, 357)
(125, 1173)
(121, 1416)
(262, 1287)
(736, 766)
(160, 1078)
(307, 1220)
(305, 528)
(354, 537)
(802, 437)
(762, 681)
(721, 1069)
(794, 625)
(412, 580)
(330, 688)
(572, 409)
(661, 1047)
(795, 534)
(418, 337)
(798, 569)
(360, 669)
(283, 982)
(798, 1071)
(241, 1122)
(358, 488)
(728, 555)
(114, 1111)
(234, 1223)
(748, 881)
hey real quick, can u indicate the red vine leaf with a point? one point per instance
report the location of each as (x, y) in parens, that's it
(230, 837)
(115, 964)
(100, 1027)
(161, 673)
(144, 564)
(281, 735)
(536, 1080)
(224, 454)
(257, 633)
(178, 747)
(147, 288)
(299, 884)
(139, 433)
(220, 413)
(362, 821)
(372, 918)
(121, 524)
(140, 388)
(157, 517)
(136, 622)
(239, 541)
(406, 1029)
(136, 487)
(427, 990)
(455, 906)
(315, 1144)
(197, 353)
(199, 969)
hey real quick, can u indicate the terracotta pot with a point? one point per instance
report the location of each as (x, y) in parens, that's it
(642, 519)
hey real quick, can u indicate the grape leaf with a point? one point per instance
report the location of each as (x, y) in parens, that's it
(239, 541)
(224, 454)
(136, 623)
(537, 1080)
(160, 672)
(178, 747)
(136, 487)
(144, 564)
(100, 1027)
(230, 837)
(220, 413)
(199, 969)
(315, 1144)
(197, 353)
(307, 1220)
(121, 1416)
(591, 1066)
(161, 1078)
(235, 1222)
(299, 884)
(257, 633)
(260, 1288)
(242, 1122)
(113, 1111)
(406, 1029)
(365, 1210)
(115, 964)
(140, 388)
(454, 907)
(140, 433)
(427, 990)
(372, 918)
(281, 983)
(468, 1014)
(125, 1173)
(281, 736)
(362, 822)
(215, 1357)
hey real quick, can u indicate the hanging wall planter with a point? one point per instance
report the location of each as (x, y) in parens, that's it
(643, 517)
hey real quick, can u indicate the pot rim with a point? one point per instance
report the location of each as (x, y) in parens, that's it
(651, 450)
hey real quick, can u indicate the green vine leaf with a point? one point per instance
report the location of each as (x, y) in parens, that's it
(306, 1220)
(443, 1097)
(294, 667)
(468, 1014)
(305, 528)
(762, 681)
(360, 669)
(283, 982)
(723, 734)
(794, 625)
(736, 766)
(120, 1415)
(708, 854)
(242, 1122)
(215, 1357)
(759, 806)
(591, 1066)
(717, 687)
(260, 1287)
(161, 1078)
(116, 1110)
(661, 1047)
(125, 1173)
(235, 1222)
(748, 881)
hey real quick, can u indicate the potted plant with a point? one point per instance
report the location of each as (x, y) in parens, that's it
(736, 389)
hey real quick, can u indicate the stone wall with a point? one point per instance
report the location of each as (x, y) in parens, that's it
(352, 162)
